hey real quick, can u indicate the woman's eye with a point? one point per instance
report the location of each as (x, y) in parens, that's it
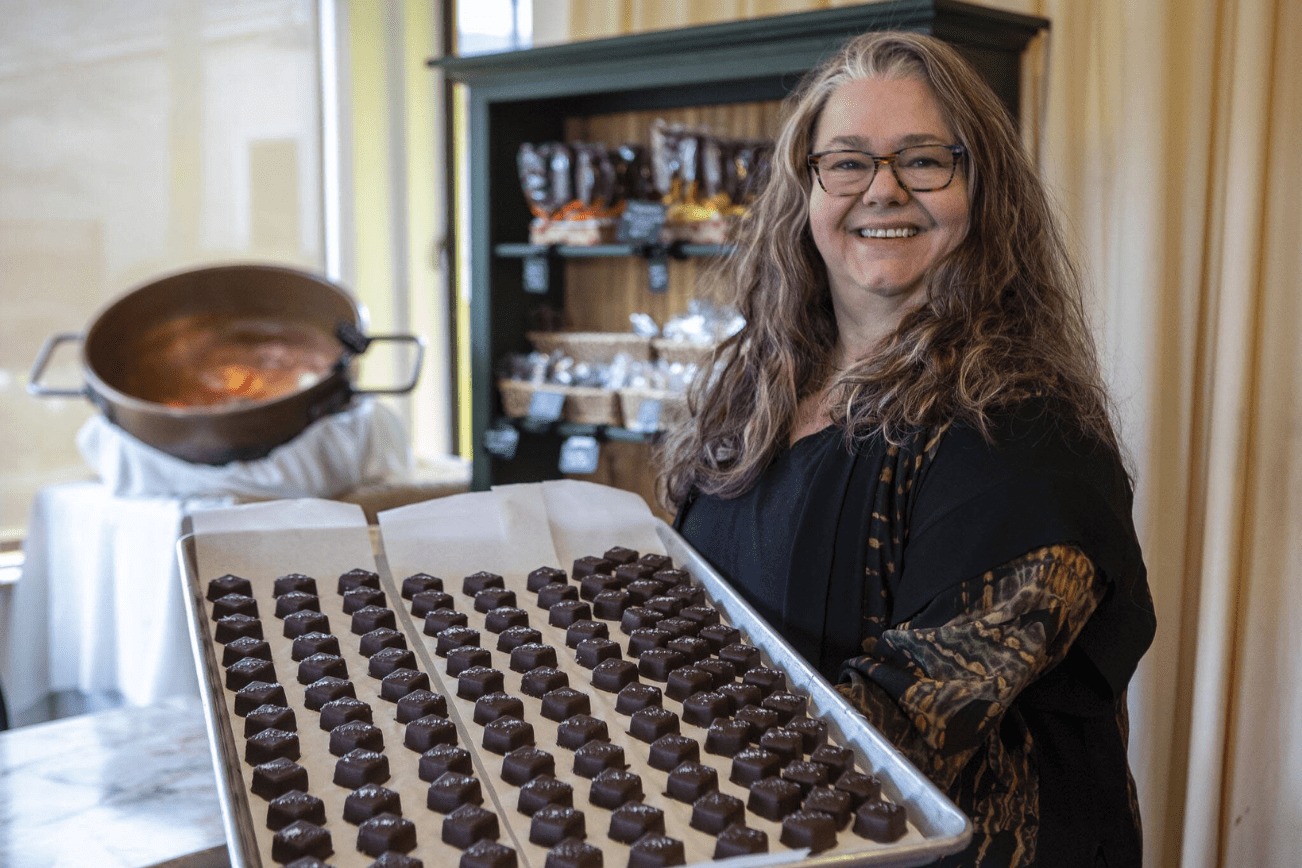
(849, 164)
(922, 163)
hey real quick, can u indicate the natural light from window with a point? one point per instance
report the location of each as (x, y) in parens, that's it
(485, 26)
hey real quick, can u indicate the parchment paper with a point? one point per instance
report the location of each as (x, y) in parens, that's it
(510, 530)
(513, 530)
(322, 539)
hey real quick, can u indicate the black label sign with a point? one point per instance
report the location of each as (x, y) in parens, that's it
(502, 442)
(546, 406)
(657, 272)
(579, 454)
(648, 415)
(641, 222)
(537, 272)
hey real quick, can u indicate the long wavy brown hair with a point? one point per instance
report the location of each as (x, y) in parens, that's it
(1003, 319)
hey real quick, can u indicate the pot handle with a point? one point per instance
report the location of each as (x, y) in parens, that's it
(34, 386)
(415, 372)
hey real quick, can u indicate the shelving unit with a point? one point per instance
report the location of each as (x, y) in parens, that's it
(538, 259)
(725, 74)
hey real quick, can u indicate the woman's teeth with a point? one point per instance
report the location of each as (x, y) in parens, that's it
(908, 232)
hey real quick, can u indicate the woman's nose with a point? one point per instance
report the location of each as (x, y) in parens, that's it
(885, 188)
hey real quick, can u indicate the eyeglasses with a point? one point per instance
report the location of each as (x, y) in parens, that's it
(919, 169)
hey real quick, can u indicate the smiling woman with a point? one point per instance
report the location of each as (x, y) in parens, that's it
(879, 237)
(904, 460)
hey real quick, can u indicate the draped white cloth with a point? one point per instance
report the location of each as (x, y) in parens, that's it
(337, 453)
(99, 610)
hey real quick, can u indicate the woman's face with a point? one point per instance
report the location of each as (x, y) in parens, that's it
(877, 246)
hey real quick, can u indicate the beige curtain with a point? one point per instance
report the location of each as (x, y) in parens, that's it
(1167, 130)
(1166, 135)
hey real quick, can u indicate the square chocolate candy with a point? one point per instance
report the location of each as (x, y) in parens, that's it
(469, 825)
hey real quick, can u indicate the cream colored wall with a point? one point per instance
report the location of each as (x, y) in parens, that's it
(392, 191)
(551, 22)
(135, 139)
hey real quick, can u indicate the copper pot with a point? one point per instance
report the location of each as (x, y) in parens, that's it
(224, 363)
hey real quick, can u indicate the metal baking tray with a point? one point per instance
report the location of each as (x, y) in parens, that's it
(945, 829)
(937, 827)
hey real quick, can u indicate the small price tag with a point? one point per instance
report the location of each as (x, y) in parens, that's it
(658, 272)
(537, 274)
(641, 222)
(502, 442)
(546, 406)
(648, 415)
(579, 455)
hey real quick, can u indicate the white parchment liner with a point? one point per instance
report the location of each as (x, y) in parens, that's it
(510, 530)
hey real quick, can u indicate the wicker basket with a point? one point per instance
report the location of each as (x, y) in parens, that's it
(673, 408)
(583, 404)
(592, 406)
(593, 347)
(684, 352)
(516, 396)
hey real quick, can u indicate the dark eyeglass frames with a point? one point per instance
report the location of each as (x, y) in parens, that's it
(919, 169)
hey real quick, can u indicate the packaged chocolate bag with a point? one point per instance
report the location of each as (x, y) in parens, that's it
(716, 155)
(560, 172)
(606, 190)
(689, 165)
(750, 166)
(666, 169)
(633, 173)
(594, 175)
(531, 163)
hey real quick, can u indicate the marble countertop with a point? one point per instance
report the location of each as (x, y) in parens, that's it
(126, 788)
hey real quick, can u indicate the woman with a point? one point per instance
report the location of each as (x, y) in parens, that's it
(905, 460)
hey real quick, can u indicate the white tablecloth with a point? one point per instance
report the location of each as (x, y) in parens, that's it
(99, 608)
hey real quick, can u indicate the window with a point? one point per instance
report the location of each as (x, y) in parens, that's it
(484, 26)
(138, 139)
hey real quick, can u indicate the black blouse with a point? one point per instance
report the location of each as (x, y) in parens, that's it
(839, 547)
(752, 539)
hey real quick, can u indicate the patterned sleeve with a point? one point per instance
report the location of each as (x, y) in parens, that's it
(939, 685)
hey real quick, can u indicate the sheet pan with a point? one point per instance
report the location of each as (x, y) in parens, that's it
(333, 542)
